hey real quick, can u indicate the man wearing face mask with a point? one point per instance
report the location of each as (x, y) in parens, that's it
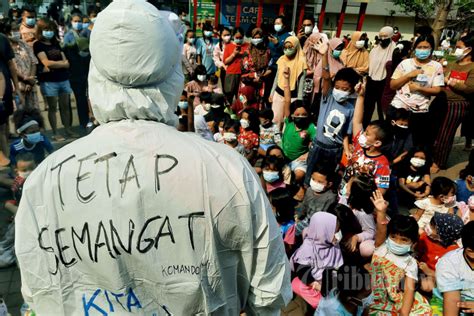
(205, 49)
(219, 249)
(307, 28)
(28, 25)
(378, 57)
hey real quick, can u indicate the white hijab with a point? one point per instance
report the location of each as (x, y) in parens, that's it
(379, 56)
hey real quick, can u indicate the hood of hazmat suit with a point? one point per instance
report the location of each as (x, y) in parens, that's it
(138, 218)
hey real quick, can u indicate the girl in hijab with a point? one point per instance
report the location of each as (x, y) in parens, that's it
(294, 59)
(355, 55)
(335, 50)
(378, 57)
(319, 251)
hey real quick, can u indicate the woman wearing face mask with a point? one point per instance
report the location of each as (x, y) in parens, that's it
(25, 62)
(53, 76)
(205, 49)
(295, 60)
(255, 64)
(319, 251)
(248, 134)
(416, 81)
(218, 54)
(233, 55)
(459, 78)
(355, 55)
(378, 57)
(76, 49)
(189, 55)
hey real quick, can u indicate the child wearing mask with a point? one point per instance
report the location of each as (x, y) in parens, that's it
(28, 123)
(189, 55)
(183, 112)
(319, 197)
(197, 84)
(231, 130)
(270, 134)
(454, 276)
(205, 49)
(248, 134)
(367, 157)
(359, 201)
(25, 164)
(283, 207)
(402, 138)
(414, 177)
(335, 115)
(466, 210)
(394, 272)
(298, 131)
(465, 183)
(439, 238)
(319, 251)
(212, 85)
(272, 174)
(441, 200)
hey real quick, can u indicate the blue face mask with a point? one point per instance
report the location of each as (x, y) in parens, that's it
(396, 248)
(33, 138)
(30, 21)
(422, 54)
(336, 53)
(271, 176)
(207, 33)
(183, 105)
(85, 25)
(48, 34)
(77, 26)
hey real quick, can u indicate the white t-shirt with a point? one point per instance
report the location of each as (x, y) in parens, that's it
(415, 101)
(430, 210)
(406, 262)
(454, 274)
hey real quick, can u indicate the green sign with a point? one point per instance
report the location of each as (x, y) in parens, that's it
(206, 10)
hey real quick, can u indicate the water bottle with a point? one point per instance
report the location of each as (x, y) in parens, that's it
(3, 308)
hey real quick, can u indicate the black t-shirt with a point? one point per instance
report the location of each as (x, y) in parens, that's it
(6, 54)
(410, 175)
(53, 52)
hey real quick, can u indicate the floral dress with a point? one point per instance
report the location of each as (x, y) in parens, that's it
(24, 61)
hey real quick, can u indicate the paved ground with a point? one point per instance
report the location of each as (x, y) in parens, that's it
(10, 277)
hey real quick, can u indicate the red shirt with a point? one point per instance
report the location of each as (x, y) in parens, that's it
(430, 252)
(248, 139)
(235, 68)
(376, 166)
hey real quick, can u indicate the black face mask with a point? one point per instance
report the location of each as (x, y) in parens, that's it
(269, 124)
(301, 122)
(385, 42)
(400, 132)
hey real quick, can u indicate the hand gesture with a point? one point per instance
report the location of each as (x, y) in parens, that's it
(466, 307)
(360, 88)
(301, 34)
(379, 202)
(351, 244)
(414, 73)
(414, 87)
(273, 39)
(322, 46)
(286, 73)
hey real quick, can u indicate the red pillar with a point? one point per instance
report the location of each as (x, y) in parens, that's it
(260, 13)
(218, 14)
(362, 10)
(322, 13)
(239, 11)
(341, 18)
(282, 8)
(300, 20)
(195, 13)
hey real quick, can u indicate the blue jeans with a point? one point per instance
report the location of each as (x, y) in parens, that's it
(55, 89)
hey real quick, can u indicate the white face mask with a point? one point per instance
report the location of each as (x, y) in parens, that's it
(244, 123)
(271, 176)
(450, 201)
(459, 53)
(339, 95)
(417, 162)
(316, 186)
(256, 41)
(278, 27)
(308, 30)
(24, 174)
(360, 44)
(201, 78)
(230, 137)
(226, 38)
(363, 141)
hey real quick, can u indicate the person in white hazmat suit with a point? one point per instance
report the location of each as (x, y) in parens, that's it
(138, 218)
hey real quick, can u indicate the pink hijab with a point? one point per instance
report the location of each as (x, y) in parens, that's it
(334, 64)
(318, 250)
(312, 55)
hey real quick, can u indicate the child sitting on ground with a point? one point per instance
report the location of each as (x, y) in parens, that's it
(394, 271)
(231, 130)
(283, 208)
(28, 123)
(414, 176)
(319, 197)
(270, 134)
(441, 200)
(25, 164)
(465, 183)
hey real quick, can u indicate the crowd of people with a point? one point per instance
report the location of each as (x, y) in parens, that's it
(354, 197)
(351, 194)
